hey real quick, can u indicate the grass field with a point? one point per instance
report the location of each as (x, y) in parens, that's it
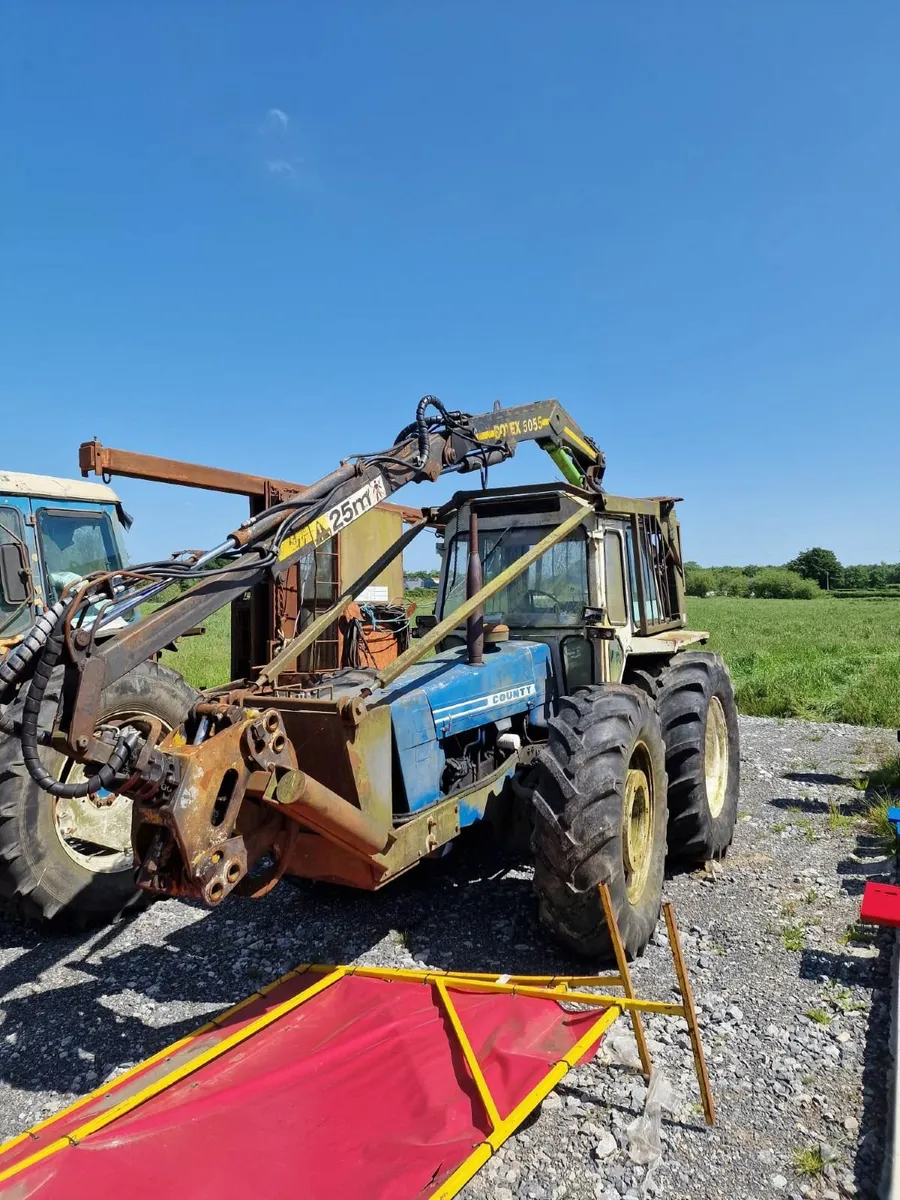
(204, 660)
(827, 660)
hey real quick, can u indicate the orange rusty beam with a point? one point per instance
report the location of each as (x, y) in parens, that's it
(106, 461)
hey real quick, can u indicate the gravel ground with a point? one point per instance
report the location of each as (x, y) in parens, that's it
(795, 1015)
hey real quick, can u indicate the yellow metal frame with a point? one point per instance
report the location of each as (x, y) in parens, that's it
(568, 988)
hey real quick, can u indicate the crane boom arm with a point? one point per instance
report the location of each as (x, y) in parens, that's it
(342, 497)
(577, 456)
(277, 539)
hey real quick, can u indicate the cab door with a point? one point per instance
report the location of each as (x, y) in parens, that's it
(615, 603)
(17, 606)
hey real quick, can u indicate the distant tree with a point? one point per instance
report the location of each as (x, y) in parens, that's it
(879, 575)
(779, 583)
(698, 581)
(818, 564)
(855, 577)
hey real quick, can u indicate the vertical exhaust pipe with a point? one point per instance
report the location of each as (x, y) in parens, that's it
(474, 583)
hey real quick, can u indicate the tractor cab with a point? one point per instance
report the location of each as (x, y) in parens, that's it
(52, 532)
(611, 588)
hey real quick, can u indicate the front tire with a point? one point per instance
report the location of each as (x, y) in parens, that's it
(68, 862)
(695, 699)
(600, 817)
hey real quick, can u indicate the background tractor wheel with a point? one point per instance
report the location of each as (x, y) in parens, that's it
(600, 817)
(70, 861)
(695, 700)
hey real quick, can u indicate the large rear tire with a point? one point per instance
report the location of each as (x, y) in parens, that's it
(695, 700)
(69, 862)
(600, 817)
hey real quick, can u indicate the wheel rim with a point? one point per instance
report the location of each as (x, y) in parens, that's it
(98, 838)
(716, 756)
(637, 823)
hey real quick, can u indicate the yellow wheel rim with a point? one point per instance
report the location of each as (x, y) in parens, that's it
(637, 823)
(716, 756)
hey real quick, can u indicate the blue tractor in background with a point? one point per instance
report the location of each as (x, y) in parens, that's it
(68, 856)
(555, 687)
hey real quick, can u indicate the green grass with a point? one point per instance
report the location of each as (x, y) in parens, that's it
(424, 600)
(826, 660)
(793, 937)
(204, 661)
(820, 1016)
(808, 1161)
(887, 776)
(876, 819)
(857, 932)
(837, 821)
(841, 998)
(829, 660)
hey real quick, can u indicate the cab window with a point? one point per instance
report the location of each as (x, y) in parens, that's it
(552, 591)
(76, 543)
(614, 566)
(637, 561)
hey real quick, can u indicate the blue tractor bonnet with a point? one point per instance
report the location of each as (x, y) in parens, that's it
(444, 696)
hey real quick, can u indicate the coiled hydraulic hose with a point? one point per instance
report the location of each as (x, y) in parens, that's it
(16, 662)
(421, 426)
(109, 775)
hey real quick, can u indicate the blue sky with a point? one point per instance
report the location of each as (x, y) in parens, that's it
(253, 236)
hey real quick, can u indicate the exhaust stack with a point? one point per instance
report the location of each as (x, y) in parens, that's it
(474, 584)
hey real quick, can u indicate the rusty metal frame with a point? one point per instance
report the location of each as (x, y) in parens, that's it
(292, 649)
(96, 459)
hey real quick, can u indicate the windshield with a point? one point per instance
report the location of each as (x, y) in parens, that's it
(75, 544)
(552, 591)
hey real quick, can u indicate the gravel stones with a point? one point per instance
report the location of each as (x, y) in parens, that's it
(796, 1039)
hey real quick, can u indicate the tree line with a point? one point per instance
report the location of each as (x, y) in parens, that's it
(803, 578)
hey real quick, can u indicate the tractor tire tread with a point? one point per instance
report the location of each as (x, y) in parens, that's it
(578, 805)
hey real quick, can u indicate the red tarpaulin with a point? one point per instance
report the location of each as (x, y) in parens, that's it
(363, 1090)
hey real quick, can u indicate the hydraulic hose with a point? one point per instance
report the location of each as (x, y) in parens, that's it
(421, 426)
(108, 776)
(16, 662)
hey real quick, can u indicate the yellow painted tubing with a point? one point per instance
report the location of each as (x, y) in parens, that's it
(510, 1124)
(474, 1065)
(481, 983)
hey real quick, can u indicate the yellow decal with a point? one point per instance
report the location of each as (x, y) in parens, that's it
(508, 429)
(317, 531)
(341, 514)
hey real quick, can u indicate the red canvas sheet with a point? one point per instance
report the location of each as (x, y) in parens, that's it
(362, 1090)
